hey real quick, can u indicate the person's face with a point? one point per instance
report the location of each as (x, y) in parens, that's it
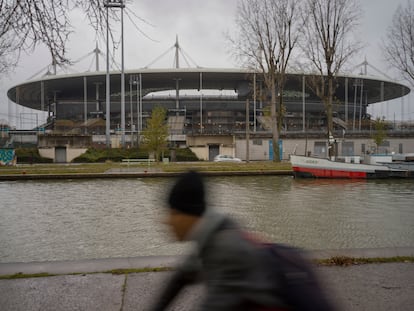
(180, 223)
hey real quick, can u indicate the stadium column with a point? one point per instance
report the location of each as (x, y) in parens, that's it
(360, 105)
(42, 96)
(55, 104)
(136, 82)
(140, 102)
(254, 102)
(247, 131)
(201, 102)
(177, 96)
(97, 104)
(85, 102)
(382, 97)
(346, 100)
(17, 106)
(131, 122)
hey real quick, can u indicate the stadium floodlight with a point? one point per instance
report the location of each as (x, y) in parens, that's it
(115, 4)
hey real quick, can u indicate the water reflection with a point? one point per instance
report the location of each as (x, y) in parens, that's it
(74, 219)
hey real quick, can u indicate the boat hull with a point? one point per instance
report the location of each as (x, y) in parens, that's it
(309, 167)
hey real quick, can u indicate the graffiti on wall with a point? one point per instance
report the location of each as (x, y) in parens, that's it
(7, 156)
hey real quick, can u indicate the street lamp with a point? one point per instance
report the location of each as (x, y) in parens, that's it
(115, 4)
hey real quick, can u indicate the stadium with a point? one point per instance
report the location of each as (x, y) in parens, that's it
(209, 110)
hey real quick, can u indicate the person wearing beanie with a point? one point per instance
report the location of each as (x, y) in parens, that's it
(227, 262)
(187, 204)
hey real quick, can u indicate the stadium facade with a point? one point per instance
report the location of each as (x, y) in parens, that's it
(211, 110)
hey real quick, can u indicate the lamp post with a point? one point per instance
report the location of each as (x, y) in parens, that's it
(122, 77)
(114, 4)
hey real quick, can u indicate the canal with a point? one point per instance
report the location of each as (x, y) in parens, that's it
(104, 218)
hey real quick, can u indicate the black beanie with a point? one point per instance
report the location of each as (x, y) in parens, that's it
(187, 195)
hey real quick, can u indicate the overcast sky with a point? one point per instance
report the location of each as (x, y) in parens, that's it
(201, 27)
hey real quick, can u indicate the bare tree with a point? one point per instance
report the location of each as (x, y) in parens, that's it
(26, 23)
(267, 32)
(329, 26)
(398, 48)
(7, 60)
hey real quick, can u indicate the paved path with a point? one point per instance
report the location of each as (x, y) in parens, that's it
(387, 286)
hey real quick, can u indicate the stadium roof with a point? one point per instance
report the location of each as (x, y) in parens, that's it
(70, 87)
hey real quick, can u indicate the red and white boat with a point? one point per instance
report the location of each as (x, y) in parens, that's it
(324, 168)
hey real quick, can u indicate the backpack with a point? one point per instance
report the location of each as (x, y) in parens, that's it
(300, 288)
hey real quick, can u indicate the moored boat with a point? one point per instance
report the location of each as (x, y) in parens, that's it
(324, 168)
(402, 162)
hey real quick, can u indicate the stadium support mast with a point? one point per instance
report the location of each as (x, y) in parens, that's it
(97, 52)
(177, 65)
(177, 54)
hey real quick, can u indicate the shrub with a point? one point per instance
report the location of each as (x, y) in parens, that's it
(185, 155)
(114, 154)
(117, 154)
(30, 155)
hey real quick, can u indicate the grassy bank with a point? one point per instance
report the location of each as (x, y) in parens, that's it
(226, 167)
(88, 168)
(349, 261)
(334, 261)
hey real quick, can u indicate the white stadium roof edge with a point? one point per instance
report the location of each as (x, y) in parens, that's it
(72, 86)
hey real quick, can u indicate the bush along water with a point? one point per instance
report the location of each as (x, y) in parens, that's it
(93, 155)
(30, 156)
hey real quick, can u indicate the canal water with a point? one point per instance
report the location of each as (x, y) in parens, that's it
(104, 218)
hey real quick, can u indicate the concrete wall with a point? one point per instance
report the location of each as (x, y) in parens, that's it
(48, 153)
(200, 145)
(360, 146)
(71, 153)
(259, 148)
(116, 141)
(25, 139)
(209, 140)
(228, 150)
(75, 141)
(201, 152)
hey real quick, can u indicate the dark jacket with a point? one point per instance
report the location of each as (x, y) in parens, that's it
(230, 265)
